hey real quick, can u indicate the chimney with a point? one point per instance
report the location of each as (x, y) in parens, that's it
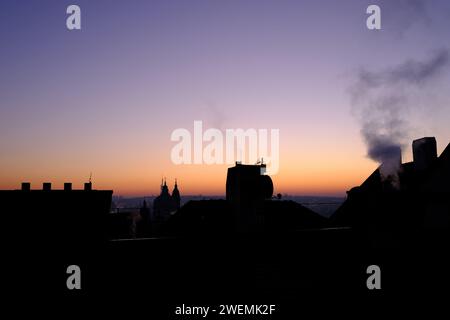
(47, 186)
(67, 186)
(26, 186)
(424, 152)
(88, 186)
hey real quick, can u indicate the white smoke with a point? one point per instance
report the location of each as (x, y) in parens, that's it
(384, 100)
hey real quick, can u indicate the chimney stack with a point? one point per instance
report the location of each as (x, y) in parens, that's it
(67, 186)
(424, 152)
(88, 186)
(47, 186)
(26, 186)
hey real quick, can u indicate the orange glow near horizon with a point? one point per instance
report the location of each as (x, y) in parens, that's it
(320, 171)
(305, 177)
(324, 169)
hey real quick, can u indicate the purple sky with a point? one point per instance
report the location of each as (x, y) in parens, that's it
(106, 98)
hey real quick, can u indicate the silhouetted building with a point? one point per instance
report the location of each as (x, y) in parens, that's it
(394, 212)
(165, 204)
(129, 223)
(247, 187)
(144, 226)
(248, 208)
(145, 210)
(64, 216)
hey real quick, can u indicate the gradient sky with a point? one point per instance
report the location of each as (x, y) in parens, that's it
(107, 98)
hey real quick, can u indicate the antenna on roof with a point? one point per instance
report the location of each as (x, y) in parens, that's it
(90, 177)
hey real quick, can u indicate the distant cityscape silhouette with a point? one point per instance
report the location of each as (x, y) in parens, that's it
(407, 211)
(416, 196)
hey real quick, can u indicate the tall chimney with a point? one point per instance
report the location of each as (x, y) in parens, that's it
(424, 152)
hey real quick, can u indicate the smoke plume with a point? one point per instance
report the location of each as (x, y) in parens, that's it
(384, 100)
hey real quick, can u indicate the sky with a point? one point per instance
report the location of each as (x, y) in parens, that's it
(105, 99)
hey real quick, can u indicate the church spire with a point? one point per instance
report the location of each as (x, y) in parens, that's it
(176, 195)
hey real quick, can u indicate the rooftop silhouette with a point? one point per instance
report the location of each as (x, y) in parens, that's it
(391, 210)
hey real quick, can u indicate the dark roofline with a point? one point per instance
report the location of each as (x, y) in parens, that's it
(445, 153)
